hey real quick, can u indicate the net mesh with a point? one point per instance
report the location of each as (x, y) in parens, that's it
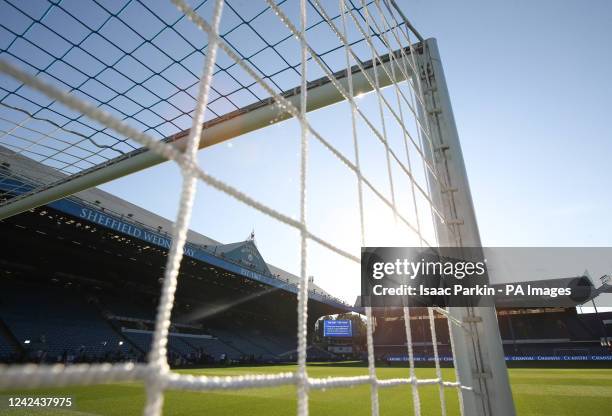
(135, 82)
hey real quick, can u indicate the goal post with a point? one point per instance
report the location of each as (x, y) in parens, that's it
(321, 93)
(479, 354)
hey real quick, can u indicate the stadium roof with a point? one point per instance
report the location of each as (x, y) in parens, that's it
(246, 252)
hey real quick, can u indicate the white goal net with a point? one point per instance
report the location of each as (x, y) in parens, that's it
(98, 94)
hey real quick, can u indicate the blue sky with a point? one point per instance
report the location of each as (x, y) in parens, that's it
(530, 84)
(530, 88)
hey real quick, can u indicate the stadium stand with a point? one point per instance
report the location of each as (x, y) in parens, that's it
(65, 323)
(80, 282)
(527, 335)
(7, 350)
(57, 326)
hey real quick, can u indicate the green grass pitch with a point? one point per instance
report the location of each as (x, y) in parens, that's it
(543, 392)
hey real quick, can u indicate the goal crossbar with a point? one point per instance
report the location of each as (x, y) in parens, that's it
(321, 93)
